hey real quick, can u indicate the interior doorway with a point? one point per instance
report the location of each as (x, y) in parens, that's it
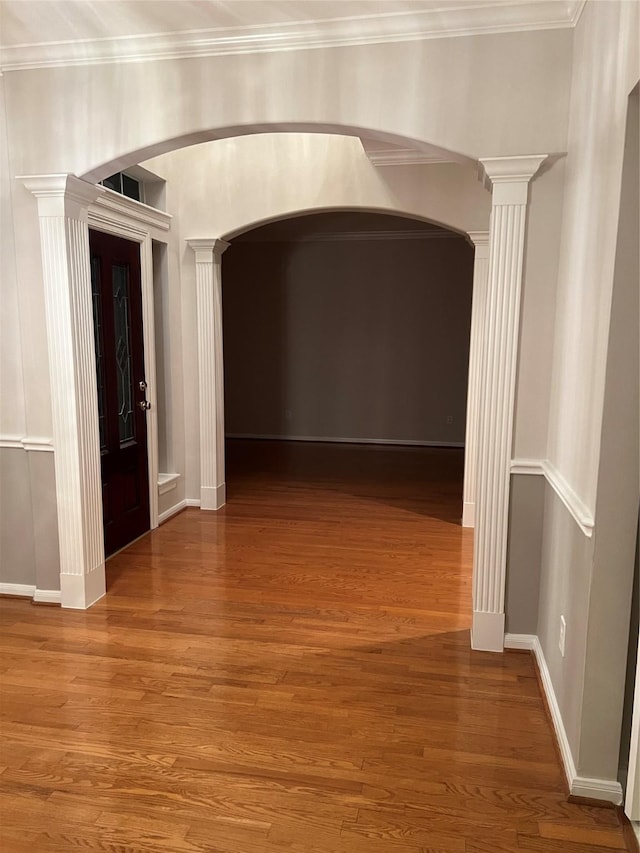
(349, 331)
(122, 404)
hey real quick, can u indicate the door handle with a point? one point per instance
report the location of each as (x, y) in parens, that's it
(142, 385)
(145, 405)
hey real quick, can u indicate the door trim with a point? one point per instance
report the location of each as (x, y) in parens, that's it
(136, 222)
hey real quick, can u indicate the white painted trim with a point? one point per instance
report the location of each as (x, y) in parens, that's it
(440, 21)
(47, 596)
(608, 790)
(527, 466)
(487, 631)
(208, 256)
(342, 440)
(174, 510)
(28, 442)
(480, 242)
(26, 590)
(23, 590)
(508, 178)
(402, 157)
(520, 641)
(167, 483)
(192, 502)
(213, 497)
(579, 510)
(63, 202)
(115, 207)
(632, 798)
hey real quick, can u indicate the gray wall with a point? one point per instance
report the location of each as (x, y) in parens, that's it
(524, 553)
(618, 489)
(589, 580)
(365, 339)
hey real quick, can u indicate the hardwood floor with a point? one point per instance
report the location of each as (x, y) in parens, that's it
(292, 673)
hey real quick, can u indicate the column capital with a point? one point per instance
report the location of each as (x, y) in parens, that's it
(508, 177)
(480, 240)
(208, 249)
(61, 195)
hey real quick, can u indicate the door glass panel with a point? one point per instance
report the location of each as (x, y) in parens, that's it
(122, 326)
(99, 344)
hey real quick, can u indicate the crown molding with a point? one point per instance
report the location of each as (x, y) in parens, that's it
(112, 202)
(403, 157)
(448, 20)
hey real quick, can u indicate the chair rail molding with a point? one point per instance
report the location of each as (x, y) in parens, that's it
(63, 203)
(508, 178)
(208, 257)
(480, 240)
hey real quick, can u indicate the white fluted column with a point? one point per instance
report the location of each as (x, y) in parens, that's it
(210, 370)
(480, 240)
(508, 178)
(63, 202)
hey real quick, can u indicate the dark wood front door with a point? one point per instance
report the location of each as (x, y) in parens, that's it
(117, 317)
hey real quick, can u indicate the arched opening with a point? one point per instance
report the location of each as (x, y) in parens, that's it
(346, 352)
(254, 178)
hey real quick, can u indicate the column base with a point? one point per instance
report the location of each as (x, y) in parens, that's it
(487, 633)
(78, 592)
(213, 497)
(468, 514)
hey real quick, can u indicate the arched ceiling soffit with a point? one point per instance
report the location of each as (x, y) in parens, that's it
(382, 148)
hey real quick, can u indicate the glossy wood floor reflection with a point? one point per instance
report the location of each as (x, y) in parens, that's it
(292, 673)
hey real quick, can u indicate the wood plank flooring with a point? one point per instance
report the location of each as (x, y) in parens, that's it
(292, 673)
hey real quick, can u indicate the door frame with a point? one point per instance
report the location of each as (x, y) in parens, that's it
(121, 216)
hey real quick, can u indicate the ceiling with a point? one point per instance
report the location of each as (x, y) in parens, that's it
(45, 33)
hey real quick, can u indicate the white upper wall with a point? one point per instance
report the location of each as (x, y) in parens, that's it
(606, 61)
(478, 96)
(231, 185)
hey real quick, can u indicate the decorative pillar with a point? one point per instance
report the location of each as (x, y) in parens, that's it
(480, 240)
(508, 178)
(210, 370)
(63, 202)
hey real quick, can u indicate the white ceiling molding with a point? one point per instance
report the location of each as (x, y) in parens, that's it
(139, 213)
(403, 157)
(438, 21)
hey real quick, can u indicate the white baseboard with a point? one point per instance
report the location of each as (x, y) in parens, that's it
(26, 590)
(47, 596)
(339, 440)
(468, 514)
(608, 790)
(174, 510)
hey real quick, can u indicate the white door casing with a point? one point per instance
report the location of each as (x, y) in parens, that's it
(632, 799)
(67, 207)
